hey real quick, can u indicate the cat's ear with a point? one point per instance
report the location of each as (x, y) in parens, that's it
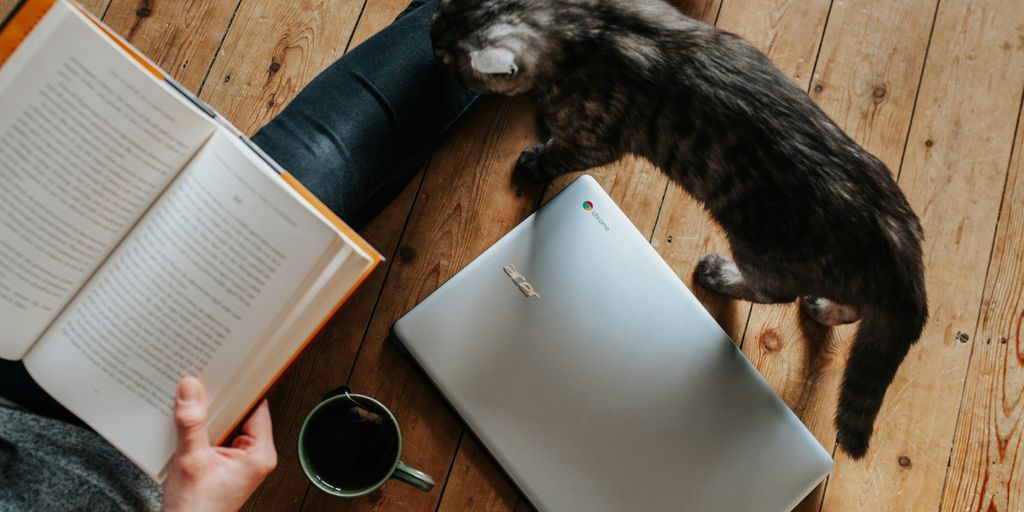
(494, 60)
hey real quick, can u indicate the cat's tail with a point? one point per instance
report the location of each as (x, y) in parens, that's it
(886, 332)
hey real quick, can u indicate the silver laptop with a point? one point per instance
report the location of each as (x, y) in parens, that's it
(598, 381)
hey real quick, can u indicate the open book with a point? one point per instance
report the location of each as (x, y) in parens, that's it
(142, 238)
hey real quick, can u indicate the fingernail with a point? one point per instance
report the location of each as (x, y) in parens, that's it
(188, 390)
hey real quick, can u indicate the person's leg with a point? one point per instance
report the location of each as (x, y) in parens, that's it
(359, 132)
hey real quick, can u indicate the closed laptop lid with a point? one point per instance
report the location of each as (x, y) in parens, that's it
(598, 381)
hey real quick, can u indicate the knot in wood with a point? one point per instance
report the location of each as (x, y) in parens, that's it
(406, 253)
(770, 340)
(879, 93)
(275, 66)
(904, 461)
(144, 12)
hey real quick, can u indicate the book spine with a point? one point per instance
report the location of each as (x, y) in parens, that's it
(191, 97)
(265, 157)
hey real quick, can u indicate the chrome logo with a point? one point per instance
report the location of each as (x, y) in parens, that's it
(587, 206)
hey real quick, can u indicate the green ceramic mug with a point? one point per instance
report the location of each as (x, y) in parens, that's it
(350, 444)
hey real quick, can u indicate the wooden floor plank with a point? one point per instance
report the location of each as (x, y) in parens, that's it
(869, 70)
(986, 473)
(476, 482)
(181, 37)
(953, 173)
(866, 79)
(465, 204)
(704, 10)
(96, 7)
(376, 15)
(272, 50)
(6, 6)
(788, 31)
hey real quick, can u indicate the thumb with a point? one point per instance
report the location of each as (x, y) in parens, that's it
(190, 416)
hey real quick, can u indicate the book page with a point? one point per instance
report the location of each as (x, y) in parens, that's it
(89, 140)
(193, 290)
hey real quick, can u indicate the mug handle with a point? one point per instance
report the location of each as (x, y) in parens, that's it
(413, 477)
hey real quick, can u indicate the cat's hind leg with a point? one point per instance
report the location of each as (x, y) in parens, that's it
(829, 313)
(722, 275)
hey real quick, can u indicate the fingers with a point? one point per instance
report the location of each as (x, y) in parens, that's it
(190, 416)
(258, 425)
(257, 439)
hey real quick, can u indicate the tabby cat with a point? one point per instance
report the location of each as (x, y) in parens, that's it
(808, 213)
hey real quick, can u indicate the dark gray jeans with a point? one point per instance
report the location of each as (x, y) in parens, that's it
(359, 132)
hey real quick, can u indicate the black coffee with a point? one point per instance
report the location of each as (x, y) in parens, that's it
(350, 447)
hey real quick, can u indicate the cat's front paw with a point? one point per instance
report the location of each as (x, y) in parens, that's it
(528, 166)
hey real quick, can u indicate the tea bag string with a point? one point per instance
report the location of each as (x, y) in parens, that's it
(354, 401)
(366, 413)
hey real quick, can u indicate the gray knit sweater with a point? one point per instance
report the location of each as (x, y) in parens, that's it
(48, 465)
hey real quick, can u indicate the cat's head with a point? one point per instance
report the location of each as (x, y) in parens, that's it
(493, 46)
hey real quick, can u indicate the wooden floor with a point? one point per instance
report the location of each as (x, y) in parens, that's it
(934, 88)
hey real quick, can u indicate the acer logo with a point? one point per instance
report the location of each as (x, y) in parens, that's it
(521, 282)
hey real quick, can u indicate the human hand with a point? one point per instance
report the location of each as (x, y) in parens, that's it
(204, 478)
